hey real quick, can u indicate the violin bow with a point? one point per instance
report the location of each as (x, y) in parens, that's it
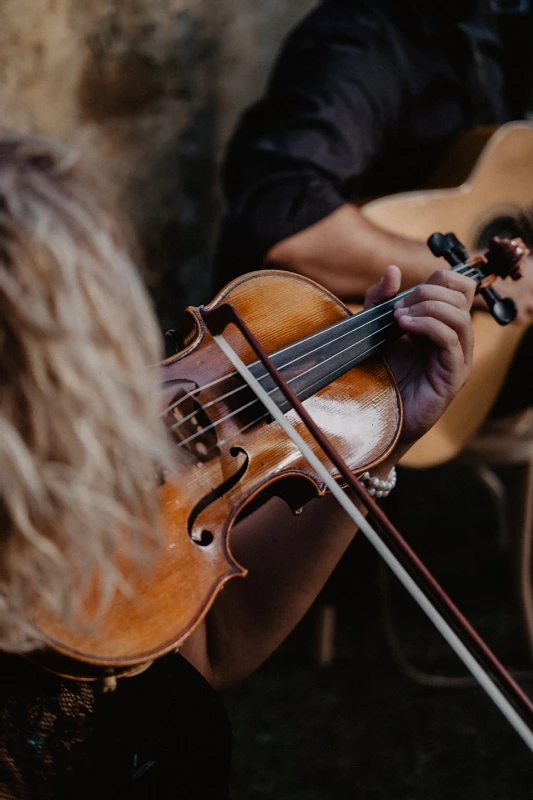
(479, 659)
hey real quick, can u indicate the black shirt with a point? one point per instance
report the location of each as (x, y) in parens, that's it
(364, 100)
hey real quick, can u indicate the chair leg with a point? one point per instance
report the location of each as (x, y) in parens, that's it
(325, 634)
(524, 531)
(497, 490)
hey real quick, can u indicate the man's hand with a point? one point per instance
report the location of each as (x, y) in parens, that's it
(432, 362)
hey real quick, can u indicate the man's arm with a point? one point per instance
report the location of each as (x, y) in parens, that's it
(347, 253)
(301, 151)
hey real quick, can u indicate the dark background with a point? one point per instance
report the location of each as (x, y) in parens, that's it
(361, 727)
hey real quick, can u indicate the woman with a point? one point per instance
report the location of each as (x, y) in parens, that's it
(81, 448)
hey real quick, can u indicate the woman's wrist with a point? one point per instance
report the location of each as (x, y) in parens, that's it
(379, 487)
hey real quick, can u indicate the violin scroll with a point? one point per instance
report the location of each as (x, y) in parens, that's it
(502, 259)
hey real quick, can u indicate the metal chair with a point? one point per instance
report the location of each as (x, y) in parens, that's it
(505, 442)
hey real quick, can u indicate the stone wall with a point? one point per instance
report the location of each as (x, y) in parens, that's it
(148, 90)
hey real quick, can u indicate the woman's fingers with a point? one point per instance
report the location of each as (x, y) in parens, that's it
(445, 285)
(438, 310)
(387, 287)
(446, 298)
(454, 323)
(436, 314)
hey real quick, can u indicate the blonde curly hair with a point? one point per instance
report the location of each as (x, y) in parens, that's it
(80, 438)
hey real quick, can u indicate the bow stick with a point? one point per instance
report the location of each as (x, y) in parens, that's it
(388, 542)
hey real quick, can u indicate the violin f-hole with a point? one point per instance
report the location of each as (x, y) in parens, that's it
(204, 538)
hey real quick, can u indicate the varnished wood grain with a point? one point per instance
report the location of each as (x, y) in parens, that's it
(360, 412)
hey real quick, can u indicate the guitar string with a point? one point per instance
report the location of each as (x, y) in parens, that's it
(184, 420)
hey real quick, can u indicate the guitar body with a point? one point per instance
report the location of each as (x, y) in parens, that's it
(498, 188)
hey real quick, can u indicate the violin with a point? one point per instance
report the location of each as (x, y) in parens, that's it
(228, 421)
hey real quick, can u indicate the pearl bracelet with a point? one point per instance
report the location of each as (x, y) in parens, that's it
(376, 487)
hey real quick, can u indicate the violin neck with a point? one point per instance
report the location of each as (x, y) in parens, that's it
(314, 362)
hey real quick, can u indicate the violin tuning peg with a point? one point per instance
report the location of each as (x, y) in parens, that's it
(448, 246)
(503, 309)
(437, 244)
(458, 247)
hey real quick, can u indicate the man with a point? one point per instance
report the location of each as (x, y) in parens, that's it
(365, 99)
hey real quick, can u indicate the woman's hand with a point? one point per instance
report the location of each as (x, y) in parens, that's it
(432, 362)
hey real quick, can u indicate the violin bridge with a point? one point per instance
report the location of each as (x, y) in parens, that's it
(189, 422)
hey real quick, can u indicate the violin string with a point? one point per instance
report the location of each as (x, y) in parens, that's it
(185, 397)
(307, 353)
(266, 414)
(387, 313)
(463, 270)
(185, 419)
(239, 410)
(178, 424)
(217, 422)
(182, 421)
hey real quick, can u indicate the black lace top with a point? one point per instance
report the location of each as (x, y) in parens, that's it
(163, 733)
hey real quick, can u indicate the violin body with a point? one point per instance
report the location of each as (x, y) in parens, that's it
(232, 457)
(304, 347)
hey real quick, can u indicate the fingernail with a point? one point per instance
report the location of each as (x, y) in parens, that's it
(400, 311)
(399, 304)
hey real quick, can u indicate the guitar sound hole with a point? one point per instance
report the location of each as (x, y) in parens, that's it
(504, 226)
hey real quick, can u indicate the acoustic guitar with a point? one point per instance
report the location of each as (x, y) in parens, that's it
(497, 194)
